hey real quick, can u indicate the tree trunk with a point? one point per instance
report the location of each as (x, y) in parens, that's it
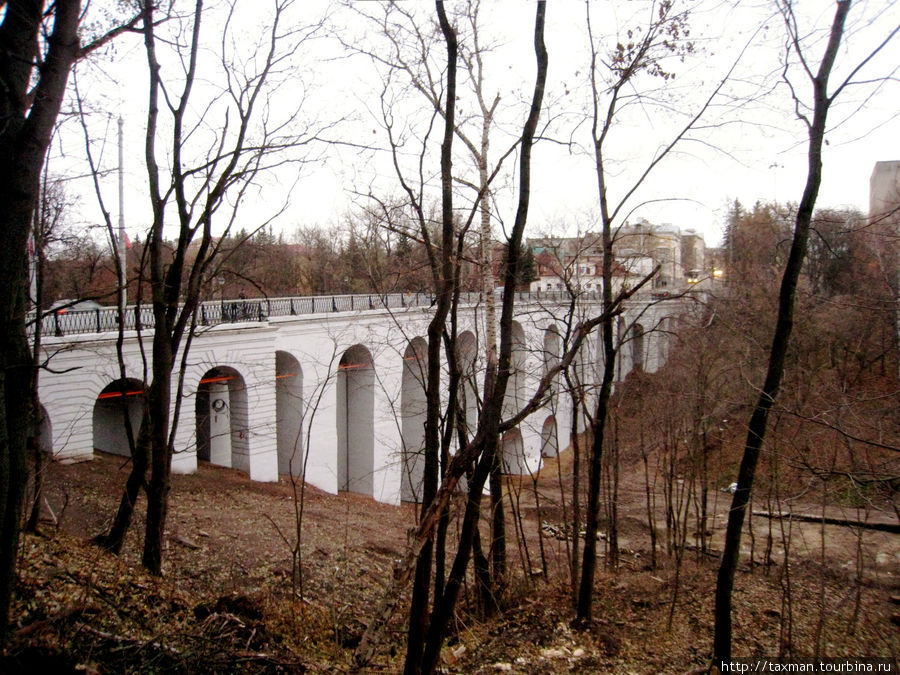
(113, 540)
(576, 482)
(158, 404)
(37, 480)
(584, 603)
(15, 399)
(756, 429)
(446, 604)
(498, 531)
(36, 266)
(497, 550)
(455, 422)
(495, 389)
(418, 611)
(28, 119)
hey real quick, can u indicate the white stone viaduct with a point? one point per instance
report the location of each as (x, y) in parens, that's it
(338, 391)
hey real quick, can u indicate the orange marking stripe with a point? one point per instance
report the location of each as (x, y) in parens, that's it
(350, 366)
(223, 378)
(117, 394)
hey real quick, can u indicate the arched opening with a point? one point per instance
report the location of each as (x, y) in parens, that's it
(551, 354)
(637, 347)
(665, 339)
(466, 354)
(516, 395)
(121, 400)
(223, 427)
(552, 347)
(356, 421)
(412, 418)
(289, 413)
(513, 448)
(582, 363)
(549, 438)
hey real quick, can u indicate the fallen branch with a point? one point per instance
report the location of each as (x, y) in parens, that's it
(62, 615)
(53, 517)
(893, 528)
(129, 641)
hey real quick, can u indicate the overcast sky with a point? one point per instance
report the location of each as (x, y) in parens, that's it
(748, 149)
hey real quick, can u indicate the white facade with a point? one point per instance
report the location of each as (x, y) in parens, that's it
(638, 249)
(339, 394)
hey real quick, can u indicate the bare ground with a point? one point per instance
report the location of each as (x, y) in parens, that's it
(229, 602)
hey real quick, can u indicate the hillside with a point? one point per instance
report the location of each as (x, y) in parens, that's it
(227, 600)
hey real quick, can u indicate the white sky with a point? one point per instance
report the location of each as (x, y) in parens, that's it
(752, 151)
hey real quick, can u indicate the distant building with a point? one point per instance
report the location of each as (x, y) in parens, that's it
(693, 255)
(884, 190)
(637, 249)
(567, 261)
(884, 214)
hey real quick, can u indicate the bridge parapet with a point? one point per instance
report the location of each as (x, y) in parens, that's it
(60, 322)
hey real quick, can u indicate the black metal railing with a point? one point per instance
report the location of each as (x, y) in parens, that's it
(63, 322)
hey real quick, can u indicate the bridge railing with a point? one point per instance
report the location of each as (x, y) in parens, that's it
(60, 322)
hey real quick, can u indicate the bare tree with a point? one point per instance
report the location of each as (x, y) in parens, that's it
(482, 447)
(616, 80)
(49, 220)
(410, 47)
(412, 58)
(38, 46)
(205, 178)
(814, 114)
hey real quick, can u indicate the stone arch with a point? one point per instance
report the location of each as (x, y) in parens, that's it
(289, 413)
(467, 357)
(356, 421)
(513, 452)
(412, 418)
(221, 414)
(551, 356)
(549, 438)
(119, 398)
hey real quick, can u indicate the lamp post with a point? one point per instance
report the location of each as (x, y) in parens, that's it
(123, 298)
